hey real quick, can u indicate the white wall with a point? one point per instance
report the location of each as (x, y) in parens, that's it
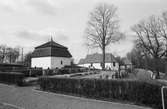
(98, 66)
(56, 62)
(112, 67)
(51, 62)
(43, 62)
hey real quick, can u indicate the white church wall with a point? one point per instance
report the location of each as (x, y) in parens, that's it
(59, 62)
(50, 62)
(112, 66)
(87, 65)
(43, 62)
(84, 65)
(81, 65)
(98, 65)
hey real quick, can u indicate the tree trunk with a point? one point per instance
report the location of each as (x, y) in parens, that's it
(10, 59)
(103, 62)
(156, 66)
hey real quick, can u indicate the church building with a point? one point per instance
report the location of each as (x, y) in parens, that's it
(95, 60)
(51, 55)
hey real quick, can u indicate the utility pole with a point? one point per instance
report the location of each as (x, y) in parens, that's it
(10, 58)
(22, 56)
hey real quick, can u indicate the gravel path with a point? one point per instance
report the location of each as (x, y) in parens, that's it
(28, 98)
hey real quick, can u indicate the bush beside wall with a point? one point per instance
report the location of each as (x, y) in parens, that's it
(34, 72)
(137, 92)
(11, 77)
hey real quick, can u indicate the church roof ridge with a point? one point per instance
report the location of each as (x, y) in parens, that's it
(51, 48)
(51, 44)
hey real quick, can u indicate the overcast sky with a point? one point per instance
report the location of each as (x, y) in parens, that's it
(29, 23)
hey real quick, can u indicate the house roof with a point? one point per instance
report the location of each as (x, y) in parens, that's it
(50, 44)
(97, 58)
(127, 61)
(51, 48)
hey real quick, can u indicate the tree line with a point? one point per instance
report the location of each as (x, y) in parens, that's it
(13, 55)
(150, 50)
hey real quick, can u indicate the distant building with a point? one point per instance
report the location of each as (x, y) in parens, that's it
(95, 61)
(127, 63)
(51, 55)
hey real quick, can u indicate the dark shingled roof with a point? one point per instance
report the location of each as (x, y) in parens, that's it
(97, 58)
(51, 48)
(50, 44)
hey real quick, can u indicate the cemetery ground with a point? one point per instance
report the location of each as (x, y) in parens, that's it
(29, 98)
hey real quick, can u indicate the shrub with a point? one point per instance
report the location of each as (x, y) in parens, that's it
(64, 71)
(35, 72)
(137, 92)
(11, 77)
(69, 70)
(129, 70)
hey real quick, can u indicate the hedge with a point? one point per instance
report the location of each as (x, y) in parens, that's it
(137, 92)
(11, 77)
(34, 72)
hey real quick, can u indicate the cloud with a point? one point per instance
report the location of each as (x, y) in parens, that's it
(32, 38)
(42, 35)
(62, 37)
(7, 5)
(57, 34)
(47, 7)
(28, 38)
(30, 35)
(43, 6)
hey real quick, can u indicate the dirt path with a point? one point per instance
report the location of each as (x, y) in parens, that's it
(28, 98)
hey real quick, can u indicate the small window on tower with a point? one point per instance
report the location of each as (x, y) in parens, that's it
(61, 62)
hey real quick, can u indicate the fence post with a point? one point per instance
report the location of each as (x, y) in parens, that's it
(162, 93)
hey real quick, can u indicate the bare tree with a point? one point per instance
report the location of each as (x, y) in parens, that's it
(101, 28)
(8, 54)
(136, 56)
(2, 52)
(27, 59)
(151, 35)
(140, 59)
(164, 15)
(12, 54)
(164, 28)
